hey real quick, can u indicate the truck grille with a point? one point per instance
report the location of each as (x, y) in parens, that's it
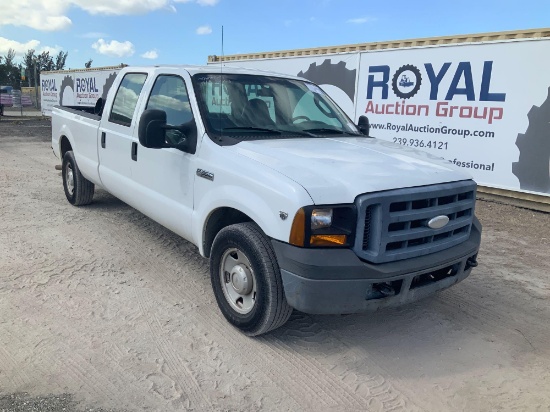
(393, 225)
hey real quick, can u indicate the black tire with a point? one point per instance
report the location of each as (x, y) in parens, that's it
(82, 191)
(270, 309)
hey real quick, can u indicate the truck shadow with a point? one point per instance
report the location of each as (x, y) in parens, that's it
(455, 332)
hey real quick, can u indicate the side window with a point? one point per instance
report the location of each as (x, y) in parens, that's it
(126, 98)
(170, 94)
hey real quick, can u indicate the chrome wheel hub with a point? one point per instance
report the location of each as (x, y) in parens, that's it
(238, 281)
(69, 178)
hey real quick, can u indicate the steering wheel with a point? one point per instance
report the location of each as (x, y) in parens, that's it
(305, 118)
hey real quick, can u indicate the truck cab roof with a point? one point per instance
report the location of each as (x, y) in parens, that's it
(211, 69)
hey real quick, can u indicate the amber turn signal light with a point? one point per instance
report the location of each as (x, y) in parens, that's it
(328, 240)
(297, 233)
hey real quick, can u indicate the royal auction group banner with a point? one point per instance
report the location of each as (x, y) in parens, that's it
(483, 107)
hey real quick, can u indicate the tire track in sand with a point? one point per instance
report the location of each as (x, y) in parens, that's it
(328, 388)
(177, 367)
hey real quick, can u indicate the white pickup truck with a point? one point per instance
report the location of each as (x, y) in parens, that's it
(294, 205)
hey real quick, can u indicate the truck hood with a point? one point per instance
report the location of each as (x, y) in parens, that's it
(336, 170)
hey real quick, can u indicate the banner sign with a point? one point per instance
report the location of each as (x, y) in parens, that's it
(78, 88)
(473, 105)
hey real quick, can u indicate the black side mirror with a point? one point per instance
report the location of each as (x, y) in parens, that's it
(151, 131)
(188, 131)
(364, 125)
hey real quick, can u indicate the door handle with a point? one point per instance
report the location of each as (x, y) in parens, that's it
(103, 140)
(134, 151)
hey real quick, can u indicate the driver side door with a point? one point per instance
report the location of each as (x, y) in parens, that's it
(166, 175)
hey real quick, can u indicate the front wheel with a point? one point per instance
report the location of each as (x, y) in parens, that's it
(247, 281)
(78, 189)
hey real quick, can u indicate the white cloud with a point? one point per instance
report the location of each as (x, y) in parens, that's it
(20, 48)
(151, 54)
(204, 30)
(114, 48)
(35, 14)
(110, 7)
(52, 15)
(53, 50)
(361, 20)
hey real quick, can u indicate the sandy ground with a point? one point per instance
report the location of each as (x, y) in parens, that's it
(102, 308)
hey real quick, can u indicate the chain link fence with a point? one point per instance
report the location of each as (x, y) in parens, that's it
(18, 101)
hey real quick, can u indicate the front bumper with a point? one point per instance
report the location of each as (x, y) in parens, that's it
(336, 281)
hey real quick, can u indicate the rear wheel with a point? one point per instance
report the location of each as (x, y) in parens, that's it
(247, 281)
(78, 189)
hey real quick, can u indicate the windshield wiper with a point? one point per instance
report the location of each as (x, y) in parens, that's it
(256, 129)
(299, 133)
(329, 130)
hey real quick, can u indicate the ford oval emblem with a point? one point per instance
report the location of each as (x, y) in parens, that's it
(438, 222)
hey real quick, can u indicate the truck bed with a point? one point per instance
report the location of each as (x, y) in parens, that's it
(80, 125)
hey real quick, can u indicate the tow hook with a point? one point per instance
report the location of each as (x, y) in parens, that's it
(385, 289)
(471, 262)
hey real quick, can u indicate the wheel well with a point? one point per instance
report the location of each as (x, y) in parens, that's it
(65, 146)
(219, 219)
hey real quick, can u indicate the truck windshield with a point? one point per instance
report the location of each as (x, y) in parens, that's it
(238, 107)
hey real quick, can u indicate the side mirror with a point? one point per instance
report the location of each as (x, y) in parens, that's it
(364, 125)
(151, 131)
(189, 132)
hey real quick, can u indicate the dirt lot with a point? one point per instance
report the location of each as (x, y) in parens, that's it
(104, 308)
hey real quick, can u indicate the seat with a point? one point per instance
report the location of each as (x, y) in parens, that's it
(256, 113)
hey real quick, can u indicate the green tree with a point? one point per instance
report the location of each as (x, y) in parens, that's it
(60, 60)
(9, 72)
(29, 60)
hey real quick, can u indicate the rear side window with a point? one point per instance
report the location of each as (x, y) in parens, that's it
(126, 98)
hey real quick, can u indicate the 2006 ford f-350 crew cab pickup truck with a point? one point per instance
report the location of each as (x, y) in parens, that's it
(294, 205)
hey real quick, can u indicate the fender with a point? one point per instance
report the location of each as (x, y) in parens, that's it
(65, 132)
(265, 214)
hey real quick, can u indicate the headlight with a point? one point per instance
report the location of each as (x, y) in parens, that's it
(321, 218)
(324, 226)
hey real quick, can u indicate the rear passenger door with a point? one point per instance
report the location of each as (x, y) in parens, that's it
(118, 137)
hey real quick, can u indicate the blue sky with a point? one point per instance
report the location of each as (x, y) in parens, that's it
(139, 32)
